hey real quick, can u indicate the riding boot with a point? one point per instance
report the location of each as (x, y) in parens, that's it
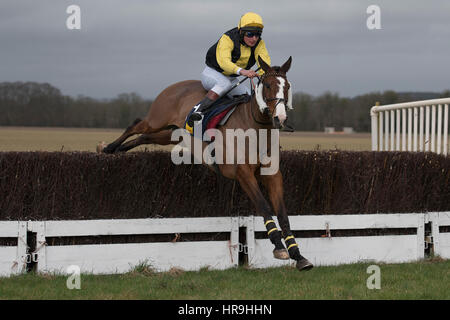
(202, 106)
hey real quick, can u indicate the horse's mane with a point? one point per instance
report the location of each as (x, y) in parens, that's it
(277, 70)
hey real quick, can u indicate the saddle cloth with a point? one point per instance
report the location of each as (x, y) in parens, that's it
(219, 112)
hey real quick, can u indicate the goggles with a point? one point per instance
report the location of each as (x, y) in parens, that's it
(251, 34)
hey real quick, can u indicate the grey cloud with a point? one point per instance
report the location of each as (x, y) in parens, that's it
(144, 46)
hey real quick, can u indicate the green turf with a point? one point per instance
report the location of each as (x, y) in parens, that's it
(421, 280)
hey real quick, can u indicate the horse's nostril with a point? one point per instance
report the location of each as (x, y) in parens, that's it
(282, 118)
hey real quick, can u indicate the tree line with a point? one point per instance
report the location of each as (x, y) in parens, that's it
(41, 104)
(314, 113)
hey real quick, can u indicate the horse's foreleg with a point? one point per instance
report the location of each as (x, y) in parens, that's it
(249, 184)
(274, 186)
(161, 138)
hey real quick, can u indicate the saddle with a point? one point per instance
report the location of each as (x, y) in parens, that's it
(219, 112)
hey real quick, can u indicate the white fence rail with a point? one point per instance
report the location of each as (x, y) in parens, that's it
(13, 259)
(411, 126)
(441, 240)
(327, 249)
(330, 250)
(120, 258)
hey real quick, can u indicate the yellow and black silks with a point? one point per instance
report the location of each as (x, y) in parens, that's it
(230, 53)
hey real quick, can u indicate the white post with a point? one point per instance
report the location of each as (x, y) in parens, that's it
(427, 129)
(409, 129)
(374, 116)
(392, 129)
(234, 241)
(433, 128)
(445, 130)
(421, 130)
(398, 130)
(416, 116)
(251, 243)
(421, 236)
(21, 256)
(404, 130)
(386, 133)
(381, 122)
(41, 245)
(439, 130)
(434, 219)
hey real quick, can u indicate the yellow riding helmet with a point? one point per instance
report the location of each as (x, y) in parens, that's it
(251, 21)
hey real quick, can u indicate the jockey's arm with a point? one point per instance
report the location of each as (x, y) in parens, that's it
(223, 54)
(261, 51)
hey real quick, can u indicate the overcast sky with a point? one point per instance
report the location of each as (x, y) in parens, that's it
(144, 46)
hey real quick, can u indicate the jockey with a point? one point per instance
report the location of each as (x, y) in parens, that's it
(232, 56)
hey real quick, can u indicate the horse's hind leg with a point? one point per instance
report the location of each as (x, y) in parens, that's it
(137, 127)
(161, 138)
(131, 130)
(274, 186)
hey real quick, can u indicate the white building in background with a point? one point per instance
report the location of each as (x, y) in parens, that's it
(329, 129)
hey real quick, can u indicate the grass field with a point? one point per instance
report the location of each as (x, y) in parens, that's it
(81, 139)
(421, 280)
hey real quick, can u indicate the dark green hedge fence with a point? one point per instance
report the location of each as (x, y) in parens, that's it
(82, 185)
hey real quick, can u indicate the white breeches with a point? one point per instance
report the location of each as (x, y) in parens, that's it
(219, 83)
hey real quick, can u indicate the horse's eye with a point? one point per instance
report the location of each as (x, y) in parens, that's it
(267, 85)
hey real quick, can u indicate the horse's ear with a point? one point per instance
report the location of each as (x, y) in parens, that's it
(263, 65)
(286, 66)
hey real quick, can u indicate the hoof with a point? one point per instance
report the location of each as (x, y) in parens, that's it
(101, 147)
(281, 254)
(108, 149)
(304, 264)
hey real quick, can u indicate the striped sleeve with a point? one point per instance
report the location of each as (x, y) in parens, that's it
(261, 51)
(223, 55)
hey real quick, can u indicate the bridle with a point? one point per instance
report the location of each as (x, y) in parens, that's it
(274, 74)
(266, 100)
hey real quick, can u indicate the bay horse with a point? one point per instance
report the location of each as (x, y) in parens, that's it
(265, 110)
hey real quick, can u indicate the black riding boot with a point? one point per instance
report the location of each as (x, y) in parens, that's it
(202, 106)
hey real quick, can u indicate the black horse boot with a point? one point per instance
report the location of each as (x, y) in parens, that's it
(202, 106)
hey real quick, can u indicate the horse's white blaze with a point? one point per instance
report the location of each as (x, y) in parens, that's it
(280, 110)
(259, 97)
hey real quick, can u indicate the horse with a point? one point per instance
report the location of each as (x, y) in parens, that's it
(265, 110)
